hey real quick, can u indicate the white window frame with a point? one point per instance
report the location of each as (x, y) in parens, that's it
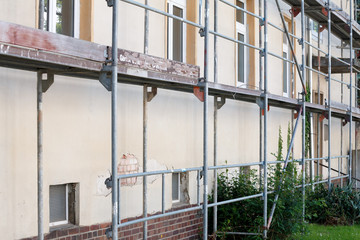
(178, 185)
(241, 29)
(66, 221)
(314, 33)
(180, 4)
(286, 50)
(52, 17)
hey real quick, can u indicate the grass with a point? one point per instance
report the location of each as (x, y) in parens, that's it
(330, 232)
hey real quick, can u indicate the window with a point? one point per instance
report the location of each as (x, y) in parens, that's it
(62, 16)
(315, 28)
(180, 186)
(241, 36)
(286, 66)
(63, 204)
(175, 187)
(176, 31)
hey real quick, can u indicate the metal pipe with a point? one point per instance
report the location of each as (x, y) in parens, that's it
(291, 46)
(234, 40)
(351, 91)
(206, 116)
(303, 148)
(318, 115)
(145, 119)
(341, 125)
(114, 63)
(283, 170)
(235, 200)
(281, 58)
(241, 9)
(151, 173)
(198, 188)
(146, 30)
(316, 48)
(261, 82)
(40, 187)
(265, 114)
(215, 114)
(163, 193)
(283, 31)
(329, 95)
(124, 224)
(162, 13)
(40, 180)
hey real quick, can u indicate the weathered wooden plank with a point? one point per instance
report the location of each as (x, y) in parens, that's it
(42, 40)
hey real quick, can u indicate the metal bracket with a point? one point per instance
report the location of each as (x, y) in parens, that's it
(151, 94)
(110, 3)
(220, 103)
(260, 102)
(348, 86)
(46, 82)
(108, 232)
(105, 77)
(202, 32)
(108, 182)
(197, 90)
(295, 11)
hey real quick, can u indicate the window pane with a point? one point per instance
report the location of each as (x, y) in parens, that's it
(177, 35)
(241, 60)
(240, 15)
(175, 186)
(65, 17)
(285, 74)
(58, 203)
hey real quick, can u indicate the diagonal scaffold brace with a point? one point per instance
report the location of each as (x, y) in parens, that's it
(284, 169)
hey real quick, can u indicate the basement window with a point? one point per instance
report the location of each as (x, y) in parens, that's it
(180, 186)
(62, 17)
(63, 204)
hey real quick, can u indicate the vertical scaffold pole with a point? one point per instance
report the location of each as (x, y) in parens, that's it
(145, 108)
(261, 82)
(215, 113)
(265, 115)
(303, 106)
(114, 194)
(40, 200)
(329, 95)
(351, 91)
(206, 115)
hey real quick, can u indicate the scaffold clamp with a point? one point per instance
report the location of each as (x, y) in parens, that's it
(108, 182)
(108, 232)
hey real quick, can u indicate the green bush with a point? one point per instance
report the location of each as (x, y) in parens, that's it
(247, 215)
(340, 206)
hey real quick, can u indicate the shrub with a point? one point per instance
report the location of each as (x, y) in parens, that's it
(340, 206)
(247, 215)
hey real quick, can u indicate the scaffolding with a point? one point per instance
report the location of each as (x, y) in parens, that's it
(69, 60)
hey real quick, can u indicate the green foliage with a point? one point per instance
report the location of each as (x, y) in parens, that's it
(340, 206)
(247, 215)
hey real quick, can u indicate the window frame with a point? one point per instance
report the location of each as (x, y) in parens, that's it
(170, 48)
(66, 221)
(285, 49)
(241, 29)
(178, 190)
(51, 18)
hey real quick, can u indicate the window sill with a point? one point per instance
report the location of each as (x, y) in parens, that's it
(61, 227)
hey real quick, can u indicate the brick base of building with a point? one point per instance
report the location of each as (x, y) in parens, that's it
(186, 225)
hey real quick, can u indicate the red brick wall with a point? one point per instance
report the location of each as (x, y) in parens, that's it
(180, 226)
